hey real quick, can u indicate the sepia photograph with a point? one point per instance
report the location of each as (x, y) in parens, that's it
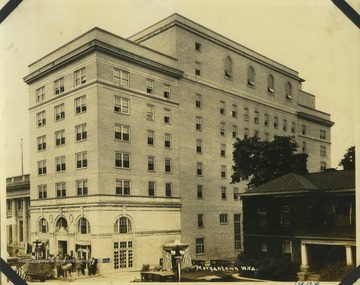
(179, 141)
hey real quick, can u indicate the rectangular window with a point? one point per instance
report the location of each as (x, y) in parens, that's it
(82, 187)
(267, 137)
(60, 163)
(122, 187)
(222, 129)
(246, 133)
(81, 160)
(257, 134)
(262, 216)
(199, 191)
(199, 169)
(200, 221)
(42, 191)
(234, 111)
(81, 132)
(59, 86)
(167, 91)
(80, 105)
(60, 138)
(41, 143)
(223, 150)
(234, 131)
(263, 246)
(40, 94)
(237, 231)
(151, 188)
(236, 193)
(80, 76)
(41, 167)
(168, 189)
(122, 132)
(266, 120)
(167, 140)
(322, 134)
(322, 166)
(167, 165)
(256, 117)
(303, 146)
(198, 101)
(121, 105)
(121, 77)
(223, 219)
(41, 119)
(8, 205)
(199, 124)
(285, 125)
(303, 129)
(198, 47)
(151, 163)
(122, 160)
(293, 127)
(200, 245)
(223, 171)
(59, 112)
(223, 193)
(167, 116)
(19, 204)
(323, 150)
(149, 86)
(246, 114)
(222, 108)
(276, 123)
(287, 247)
(150, 115)
(285, 217)
(197, 68)
(150, 137)
(60, 189)
(198, 146)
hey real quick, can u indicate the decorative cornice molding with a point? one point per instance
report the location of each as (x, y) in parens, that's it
(314, 119)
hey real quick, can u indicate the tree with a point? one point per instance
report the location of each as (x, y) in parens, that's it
(348, 162)
(261, 161)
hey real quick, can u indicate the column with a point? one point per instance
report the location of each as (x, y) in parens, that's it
(304, 258)
(349, 258)
(25, 221)
(15, 224)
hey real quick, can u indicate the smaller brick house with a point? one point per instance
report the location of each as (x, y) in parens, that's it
(309, 219)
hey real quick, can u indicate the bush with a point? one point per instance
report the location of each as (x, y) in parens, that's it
(335, 272)
(145, 267)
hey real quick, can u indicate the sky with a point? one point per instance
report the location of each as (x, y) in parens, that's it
(312, 37)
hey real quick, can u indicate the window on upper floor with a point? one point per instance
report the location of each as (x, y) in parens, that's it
(199, 124)
(288, 91)
(222, 129)
(236, 193)
(200, 245)
(198, 146)
(80, 76)
(59, 112)
(60, 163)
(222, 108)
(285, 216)
(276, 122)
(122, 160)
(198, 46)
(121, 77)
(82, 187)
(167, 140)
(80, 104)
(83, 226)
(40, 94)
(199, 168)
(322, 134)
(267, 137)
(223, 219)
(123, 226)
(271, 88)
(198, 69)
(322, 166)
(81, 132)
(303, 146)
(151, 188)
(323, 150)
(223, 171)
(200, 221)
(42, 191)
(59, 86)
(122, 132)
(266, 120)
(149, 86)
(81, 160)
(234, 131)
(150, 137)
(228, 72)
(167, 91)
(60, 138)
(285, 127)
(293, 127)
(198, 101)
(256, 117)
(167, 116)
(246, 114)
(41, 167)
(60, 189)
(41, 119)
(250, 76)
(223, 193)
(262, 212)
(199, 191)
(151, 163)
(168, 189)
(43, 226)
(168, 166)
(41, 143)
(150, 112)
(122, 187)
(234, 111)
(303, 129)
(223, 150)
(121, 105)
(246, 133)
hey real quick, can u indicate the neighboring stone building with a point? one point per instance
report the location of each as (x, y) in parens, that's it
(131, 140)
(310, 219)
(17, 213)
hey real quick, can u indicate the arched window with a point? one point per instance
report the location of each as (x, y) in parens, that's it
(61, 225)
(123, 226)
(251, 76)
(271, 88)
(288, 91)
(228, 68)
(83, 226)
(43, 226)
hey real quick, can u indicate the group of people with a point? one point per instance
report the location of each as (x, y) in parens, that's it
(69, 264)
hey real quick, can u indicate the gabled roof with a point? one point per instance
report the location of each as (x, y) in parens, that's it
(295, 183)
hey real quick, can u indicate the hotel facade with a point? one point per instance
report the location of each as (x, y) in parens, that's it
(132, 139)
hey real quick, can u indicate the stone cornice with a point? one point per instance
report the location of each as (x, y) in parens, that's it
(314, 119)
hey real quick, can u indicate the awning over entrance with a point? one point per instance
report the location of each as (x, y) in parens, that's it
(83, 242)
